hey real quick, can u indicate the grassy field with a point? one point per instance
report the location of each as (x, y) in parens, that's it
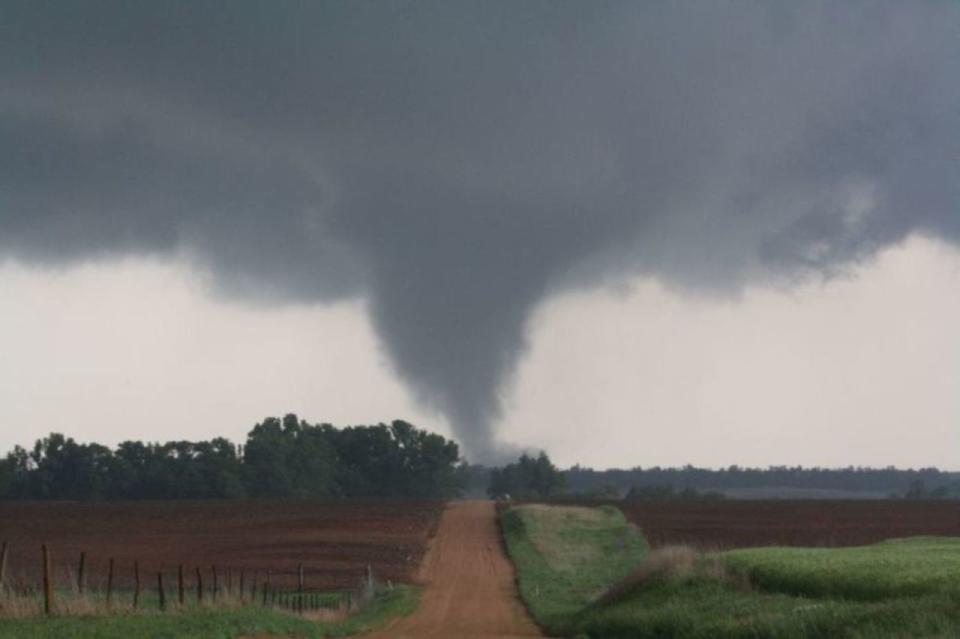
(567, 556)
(911, 567)
(222, 623)
(901, 588)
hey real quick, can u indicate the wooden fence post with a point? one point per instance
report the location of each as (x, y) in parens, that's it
(229, 580)
(47, 581)
(241, 584)
(253, 586)
(136, 584)
(3, 564)
(160, 591)
(81, 582)
(199, 586)
(300, 588)
(216, 586)
(180, 584)
(110, 582)
(266, 587)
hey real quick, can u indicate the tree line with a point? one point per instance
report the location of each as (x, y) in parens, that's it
(288, 457)
(527, 478)
(281, 458)
(889, 481)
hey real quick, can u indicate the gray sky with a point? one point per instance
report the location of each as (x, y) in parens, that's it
(602, 228)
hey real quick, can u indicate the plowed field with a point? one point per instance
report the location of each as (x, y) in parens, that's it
(334, 541)
(742, 524)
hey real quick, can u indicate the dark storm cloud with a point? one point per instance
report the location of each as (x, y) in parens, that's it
(455, 162)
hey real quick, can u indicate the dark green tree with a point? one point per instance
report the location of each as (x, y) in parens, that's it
(527, 478)
(282, 458)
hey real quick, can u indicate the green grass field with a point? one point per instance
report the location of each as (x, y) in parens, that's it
(568, 556)
(220, 623)
(897, 589)
(911, 567)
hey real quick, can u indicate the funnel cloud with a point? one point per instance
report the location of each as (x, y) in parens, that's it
(455, 163)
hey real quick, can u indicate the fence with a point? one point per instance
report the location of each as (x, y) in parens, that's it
(178, 587)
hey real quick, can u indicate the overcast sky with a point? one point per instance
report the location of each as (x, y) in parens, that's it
(629, 233)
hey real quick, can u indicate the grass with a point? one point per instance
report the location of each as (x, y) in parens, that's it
(70, 602)
(897, 568)
(709, 608)
(204, 622)
(906, 588)
(568, 556)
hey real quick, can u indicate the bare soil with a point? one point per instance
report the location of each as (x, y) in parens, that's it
(469, 583)
(334, 541)
(746, 523)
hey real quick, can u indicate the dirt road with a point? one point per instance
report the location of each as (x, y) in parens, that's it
(469, 583)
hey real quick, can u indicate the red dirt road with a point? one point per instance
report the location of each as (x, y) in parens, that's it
(469, 583)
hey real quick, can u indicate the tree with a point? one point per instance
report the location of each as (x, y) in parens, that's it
(527, 478)
(282, 458)
(289, 458)
(917, 490)
(6, 478)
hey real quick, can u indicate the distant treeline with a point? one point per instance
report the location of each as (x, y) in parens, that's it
(527, 478)
(281, 458)
(737, 481)
(290, 458)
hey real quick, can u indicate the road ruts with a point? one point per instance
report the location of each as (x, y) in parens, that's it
(469, 589)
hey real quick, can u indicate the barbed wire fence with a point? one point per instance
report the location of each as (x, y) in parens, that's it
(174, 586)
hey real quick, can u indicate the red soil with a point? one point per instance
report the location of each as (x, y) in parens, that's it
(334, 541)
(737, 524)
(469, 583)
